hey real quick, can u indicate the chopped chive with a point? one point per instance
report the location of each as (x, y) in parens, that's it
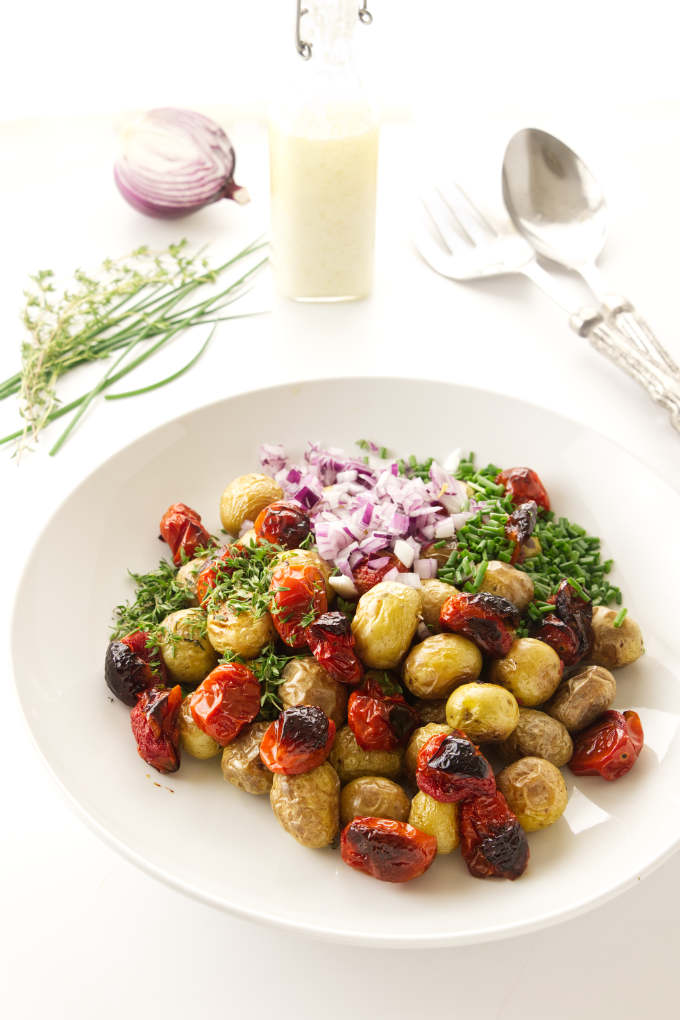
(620, 617)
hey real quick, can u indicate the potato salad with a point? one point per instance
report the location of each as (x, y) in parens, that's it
(401, 655)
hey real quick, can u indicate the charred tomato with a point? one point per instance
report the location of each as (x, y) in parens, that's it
(226, 701)
(450, 768)
(331, 642)
(569, 630)
(130, 667)
(181, 528)
(387, 850)
(610, 747)
(379, 716)
(483, 618)
(155, 725)
(298, 596)
(522, 484)
(519, 527)
(493, 843)
(298, 741)
(285, 523)
(372, 570)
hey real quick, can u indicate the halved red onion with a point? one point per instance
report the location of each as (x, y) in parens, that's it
(173, 162)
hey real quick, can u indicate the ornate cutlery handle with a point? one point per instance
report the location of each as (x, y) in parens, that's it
(626, 319)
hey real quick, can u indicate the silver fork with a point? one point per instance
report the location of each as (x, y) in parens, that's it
(469, 247)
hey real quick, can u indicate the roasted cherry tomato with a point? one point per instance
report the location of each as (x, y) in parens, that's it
(155, 725)
(387, 850)
(298, 596)
(483, 618)
(451, 768)
(610, 747)
(378, 715)
(226, 701)
(569, 630)
(519, 527)
(181, 528)
(560, 636)
(284, 523)
(130, 667)
(218, 566)
(493, 843)
(522, 484)
(331, 642)
(371, 572)
(298, 741)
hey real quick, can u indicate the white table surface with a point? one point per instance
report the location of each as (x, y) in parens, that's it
(84, 933)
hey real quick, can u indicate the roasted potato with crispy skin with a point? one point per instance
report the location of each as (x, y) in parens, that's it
(192, 738)
(418, 740)
(535, 791)
(538, 735)
(436, 819)
(308, 805)
(351, 761)
(374, 796)
(614, 647)
(186, 651)
(308, 558)
(435, 594)
(385, 622)
(187, 576)
(243, 499)
(241, 762)
(579, 701)
(431, 711)
(531, 671)
(441, 663)
(306, 682)
(243, 633)
(508, 582)
(487, 713)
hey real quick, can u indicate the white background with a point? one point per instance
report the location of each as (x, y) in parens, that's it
(84, 933)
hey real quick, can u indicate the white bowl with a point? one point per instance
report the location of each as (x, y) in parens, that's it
(224, 847)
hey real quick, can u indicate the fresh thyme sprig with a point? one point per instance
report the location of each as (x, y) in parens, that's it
(268, 668)
(243, 579)
(158, 593)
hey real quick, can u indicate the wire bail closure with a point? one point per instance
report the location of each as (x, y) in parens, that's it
(305, 48)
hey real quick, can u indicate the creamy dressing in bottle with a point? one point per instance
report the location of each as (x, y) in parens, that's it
(323, 157)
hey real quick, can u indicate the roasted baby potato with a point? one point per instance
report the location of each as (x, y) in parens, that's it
(306, 682)
(243, 499)
(578, 701)
(614, 647)
(308, 558)
(538, 735)
(508, 582)
(187, 575)
(241, 762)
(418, 740)
(431, 711)
(192, 738)
(435, 594)
(485, 712)
(385, 622)
(439, 664)
(535, 791)
(308, 805)
(351, 761)
(374, 796)
(243, 633)
(186, 651)
(436, 819)
(531, 671)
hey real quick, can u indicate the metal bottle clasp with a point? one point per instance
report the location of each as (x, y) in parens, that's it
(305, 48)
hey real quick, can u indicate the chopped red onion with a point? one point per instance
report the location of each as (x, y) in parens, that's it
(343, 586)
(404, 552)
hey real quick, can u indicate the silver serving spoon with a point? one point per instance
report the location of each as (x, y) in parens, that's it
(558, 206)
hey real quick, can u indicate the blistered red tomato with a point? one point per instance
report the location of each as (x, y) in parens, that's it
(372, 571)
(298, 596)
(298, 741)
(610, 747)
(450, 768)
(387, 850)
(285, 523)
(181, 528)
(226, 701)
(522, 484)
(519, 527)
(492, 842)
(155, 725)
(569, 630)
(379, 717)
(483, 618)
(331, 642)
(130, 667)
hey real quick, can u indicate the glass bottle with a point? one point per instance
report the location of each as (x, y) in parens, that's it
(323, 143)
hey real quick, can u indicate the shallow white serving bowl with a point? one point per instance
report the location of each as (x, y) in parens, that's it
(224, 847)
